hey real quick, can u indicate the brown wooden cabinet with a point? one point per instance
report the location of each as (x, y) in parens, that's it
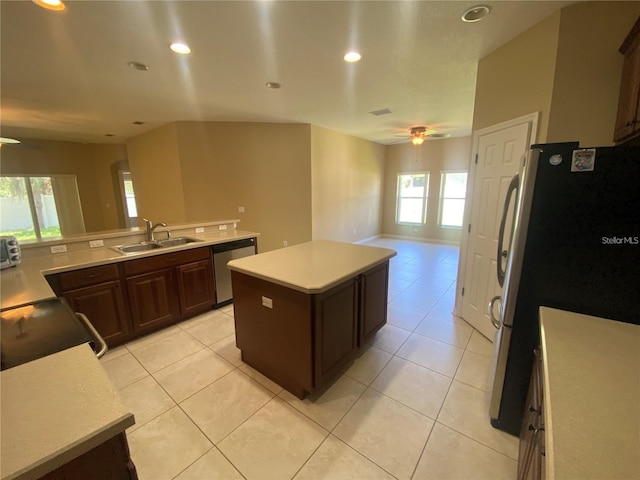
(97, 292)
(153, 300)
(164, 289)
(373, 305)
(531, 458)
(628, 118)
(134, 297)
(302, 341)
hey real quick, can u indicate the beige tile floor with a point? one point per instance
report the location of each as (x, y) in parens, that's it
(414, 404)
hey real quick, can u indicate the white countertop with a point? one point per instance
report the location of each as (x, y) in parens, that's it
(312, 267)
(26, 283)
(591, 396)
(53, 410)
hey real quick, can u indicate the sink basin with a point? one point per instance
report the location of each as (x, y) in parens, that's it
(174, 242)
(137, 247)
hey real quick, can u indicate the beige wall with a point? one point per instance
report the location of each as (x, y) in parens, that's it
(434, 156)
(346, 186)
(517, 78)
(264, 167)
(567, 67)
(588, 70)
(91, 163)
(157, 175)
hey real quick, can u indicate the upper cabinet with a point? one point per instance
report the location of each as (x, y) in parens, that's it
(628, 119)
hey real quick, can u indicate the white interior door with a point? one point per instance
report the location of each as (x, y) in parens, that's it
(499, 152)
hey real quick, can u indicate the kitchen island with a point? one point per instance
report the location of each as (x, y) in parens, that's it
(302, 312)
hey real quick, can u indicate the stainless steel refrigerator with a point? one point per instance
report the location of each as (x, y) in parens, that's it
(574, 245)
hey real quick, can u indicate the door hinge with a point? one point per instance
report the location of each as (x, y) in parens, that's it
(462, 293)
(476, 158)
(469, 229)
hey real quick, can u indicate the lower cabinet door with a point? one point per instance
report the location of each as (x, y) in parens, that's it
(373, 301)
(104, 306)
(153, 299)
(335, 320)
(195, 286)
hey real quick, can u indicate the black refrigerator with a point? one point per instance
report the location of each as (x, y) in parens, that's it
(574, 245)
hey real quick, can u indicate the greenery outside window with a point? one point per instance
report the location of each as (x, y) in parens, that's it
(36, 207)
(453, 189)
(413, 189)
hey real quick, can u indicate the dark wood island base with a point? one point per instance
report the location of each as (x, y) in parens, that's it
(301, 340)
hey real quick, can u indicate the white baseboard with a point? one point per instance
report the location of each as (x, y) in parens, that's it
(368, 239)
(421, 239)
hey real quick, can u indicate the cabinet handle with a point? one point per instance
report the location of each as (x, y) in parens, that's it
(89, 277)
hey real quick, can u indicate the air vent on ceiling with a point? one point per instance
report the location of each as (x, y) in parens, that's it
(377, 113)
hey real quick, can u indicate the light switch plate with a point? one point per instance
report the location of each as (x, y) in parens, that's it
(200, 230)
(58, 249)
(240, 209)
(96, 243)
(267, 302)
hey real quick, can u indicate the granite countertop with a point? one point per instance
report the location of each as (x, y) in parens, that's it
(55, 409)
(591, 396)
(26, 283)
(312, 267)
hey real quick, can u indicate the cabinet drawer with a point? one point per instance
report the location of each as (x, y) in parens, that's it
(87, 276)
(158, 262)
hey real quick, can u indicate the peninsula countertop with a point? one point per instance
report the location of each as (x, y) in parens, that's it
(312, 267)
(26, 283)
(591, 396)
(55, 409)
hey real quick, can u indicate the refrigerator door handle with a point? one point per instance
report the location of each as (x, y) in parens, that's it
(496, 323)
(513, 186)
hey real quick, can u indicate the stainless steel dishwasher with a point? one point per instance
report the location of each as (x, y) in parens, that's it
(222, 254)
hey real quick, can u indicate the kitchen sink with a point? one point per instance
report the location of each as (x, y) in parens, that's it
(174, 242)
(137, 247)
(146, 246)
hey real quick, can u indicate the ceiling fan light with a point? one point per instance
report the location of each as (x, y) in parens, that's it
(417, 140)
(55, 5)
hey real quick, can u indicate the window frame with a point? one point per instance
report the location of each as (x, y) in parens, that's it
(441, 199)
(425, 196)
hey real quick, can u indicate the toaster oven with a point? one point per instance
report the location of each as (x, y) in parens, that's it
(9, 251)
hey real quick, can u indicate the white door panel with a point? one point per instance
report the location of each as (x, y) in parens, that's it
(499, 153)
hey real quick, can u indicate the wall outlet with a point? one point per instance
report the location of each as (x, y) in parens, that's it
(222, 227)
(285, 243)
(267, 302)
(58, 249)
(200, 230)
(96, 243)
(240, 209)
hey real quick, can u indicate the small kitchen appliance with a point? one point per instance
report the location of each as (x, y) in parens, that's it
(9, 251)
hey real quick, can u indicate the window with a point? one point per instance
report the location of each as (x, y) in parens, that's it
(39, 206)
(413, 189)
(453, 188)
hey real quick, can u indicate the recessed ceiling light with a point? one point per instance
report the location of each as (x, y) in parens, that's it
(56, 5)
(181, 48)
(8, 140)
(475, 14)
(138, 66)
(352, 57)
(273, 85)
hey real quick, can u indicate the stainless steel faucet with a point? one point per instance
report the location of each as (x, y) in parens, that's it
(151, 229)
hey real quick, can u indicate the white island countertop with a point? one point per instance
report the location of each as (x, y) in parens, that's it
(591, 396)
(312, 267)
(55, 409)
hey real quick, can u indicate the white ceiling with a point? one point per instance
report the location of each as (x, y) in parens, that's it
(65, 75)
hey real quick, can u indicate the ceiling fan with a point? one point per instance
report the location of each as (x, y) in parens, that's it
(419, 134)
